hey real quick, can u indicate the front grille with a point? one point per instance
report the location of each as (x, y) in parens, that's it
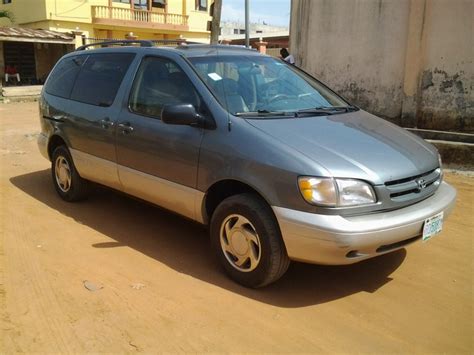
(413, 187)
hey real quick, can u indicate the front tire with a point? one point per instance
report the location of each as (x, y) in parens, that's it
(67, 182)
(246, 239)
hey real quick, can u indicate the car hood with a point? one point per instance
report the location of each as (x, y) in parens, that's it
(354, 145)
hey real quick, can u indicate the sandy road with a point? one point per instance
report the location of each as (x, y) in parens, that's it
(162, 291)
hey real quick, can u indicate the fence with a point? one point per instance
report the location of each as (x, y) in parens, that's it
(274, 52)
(123, 14)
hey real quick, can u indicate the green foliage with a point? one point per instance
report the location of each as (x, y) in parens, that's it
(6, 14)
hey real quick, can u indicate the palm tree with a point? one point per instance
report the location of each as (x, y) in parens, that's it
(6, 14)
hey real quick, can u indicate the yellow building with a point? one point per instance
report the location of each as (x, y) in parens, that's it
(44, 30)
(146, 19)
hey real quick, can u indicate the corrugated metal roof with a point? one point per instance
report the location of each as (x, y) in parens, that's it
(28, 33)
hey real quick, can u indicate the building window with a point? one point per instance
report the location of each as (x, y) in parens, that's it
(122, 1)
(201, 5)
(158, 3)
(241, 31)
(140, 4)
(7, 2)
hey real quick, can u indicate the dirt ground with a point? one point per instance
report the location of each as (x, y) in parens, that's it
(155, 286)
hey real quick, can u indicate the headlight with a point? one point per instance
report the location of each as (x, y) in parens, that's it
(354, 192)
(336, 192)
(319, 191)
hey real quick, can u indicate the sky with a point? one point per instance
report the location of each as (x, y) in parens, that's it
(273, 12)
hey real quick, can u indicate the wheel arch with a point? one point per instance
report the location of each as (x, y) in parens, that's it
(223, 189)
(55, 141)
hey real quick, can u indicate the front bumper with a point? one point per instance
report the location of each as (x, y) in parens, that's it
(338, 240)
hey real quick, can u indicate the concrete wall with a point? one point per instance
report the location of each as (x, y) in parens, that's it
(409, 61)
(447, 71)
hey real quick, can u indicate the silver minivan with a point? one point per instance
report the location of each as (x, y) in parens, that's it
(276, 164)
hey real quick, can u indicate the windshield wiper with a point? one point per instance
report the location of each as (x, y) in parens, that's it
(321, 110)
(264, 113)
(325, 110)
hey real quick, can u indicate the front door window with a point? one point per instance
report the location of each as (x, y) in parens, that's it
(161, 82)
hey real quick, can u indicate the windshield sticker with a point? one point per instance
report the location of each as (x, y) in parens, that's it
(214, 76)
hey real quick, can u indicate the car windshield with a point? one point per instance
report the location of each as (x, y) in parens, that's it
(262, 86)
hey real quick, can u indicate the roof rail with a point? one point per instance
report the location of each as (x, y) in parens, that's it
(185, 43)
(125, 41)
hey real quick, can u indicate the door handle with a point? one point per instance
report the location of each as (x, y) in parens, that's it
(126, 127)
(56, 118)
(59, 118)
(106, 123)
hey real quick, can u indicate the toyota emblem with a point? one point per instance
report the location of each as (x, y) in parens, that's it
(421, 184)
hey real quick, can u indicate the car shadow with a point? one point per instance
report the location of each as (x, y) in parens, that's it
(184, 246)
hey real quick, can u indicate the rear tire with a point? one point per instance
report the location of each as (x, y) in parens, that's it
(67, 182)
(246, 239)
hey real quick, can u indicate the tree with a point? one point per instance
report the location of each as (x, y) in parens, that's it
(6, 14)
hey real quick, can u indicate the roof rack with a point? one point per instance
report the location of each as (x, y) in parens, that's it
(142, 43)
(185, 43)
(194, 45)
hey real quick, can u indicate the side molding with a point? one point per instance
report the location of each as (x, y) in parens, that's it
(167, 194)
(96, 169)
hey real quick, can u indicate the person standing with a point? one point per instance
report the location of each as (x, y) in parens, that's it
(286, 56)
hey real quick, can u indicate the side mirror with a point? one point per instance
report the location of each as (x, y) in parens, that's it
(180, 114)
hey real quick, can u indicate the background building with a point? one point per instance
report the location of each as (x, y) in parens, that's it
(32, 52)
(44, 30)
(273, 38)
(230, 28)
(147, 19)
(410, 61)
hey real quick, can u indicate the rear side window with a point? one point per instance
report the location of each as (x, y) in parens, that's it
(61, 80)
(100, 78)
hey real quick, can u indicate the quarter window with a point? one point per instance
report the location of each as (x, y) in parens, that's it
(100, 78)
(160, 82)
(61, 80)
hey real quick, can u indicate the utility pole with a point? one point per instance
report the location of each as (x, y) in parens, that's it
(247, 27)
(216, 21)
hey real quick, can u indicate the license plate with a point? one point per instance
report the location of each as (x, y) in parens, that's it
(432, 226)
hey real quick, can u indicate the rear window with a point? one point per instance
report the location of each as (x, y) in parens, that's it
(61, 80)
(100, 78)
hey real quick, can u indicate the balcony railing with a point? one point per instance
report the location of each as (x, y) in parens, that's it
(117, 16)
